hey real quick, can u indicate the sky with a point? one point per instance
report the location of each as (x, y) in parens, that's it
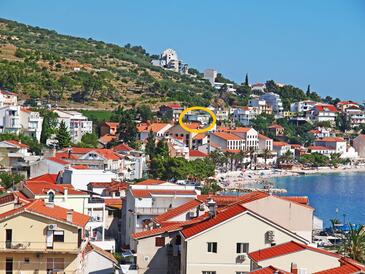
(321, 43)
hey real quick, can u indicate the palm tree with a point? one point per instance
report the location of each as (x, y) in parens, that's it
(266, 154)
(334, 222)
(252, 154)
(354, 245)
(230, 157)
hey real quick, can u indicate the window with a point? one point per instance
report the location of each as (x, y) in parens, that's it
(212, 247)
(26, 260)
(51, 197)
(242, 248)
(160, 241)
(55, 264)
(58, 236)
(209, 272)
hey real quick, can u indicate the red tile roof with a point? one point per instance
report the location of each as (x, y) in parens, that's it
(284, 249)
(173, 106)
(154, 127)
(197, 153)
(269, 270)
(330, 139)
(99, 184)
(80, 167)
(122, 147)
(174, 212)
(65, 156)
(276, 126)
(113, 202)
(58, 161)
(49, 178)
(234, 130)
(199, 136)
(343, 269)
(347, 103)
(227, 136)
(107, 138)
(12, 197)
(279, 144)
(146, 193)
(261, 136)
(117, 186)
(151, 182)
(17, 143)
(219, 218)
(90, 247)
(42, 187)
(103, 152)
(111, 124)
(55, 213)
(325, 108)
(297, 199)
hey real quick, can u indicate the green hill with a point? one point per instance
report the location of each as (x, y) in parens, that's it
(40, 63)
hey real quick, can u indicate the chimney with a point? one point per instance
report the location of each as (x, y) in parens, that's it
(69, 215)
(65, 193)
(212, 208)
(294, 268)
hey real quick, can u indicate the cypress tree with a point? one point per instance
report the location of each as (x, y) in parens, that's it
(63, 135)
(246, 79)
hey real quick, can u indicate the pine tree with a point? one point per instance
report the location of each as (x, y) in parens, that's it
(150, 146)
(63, 136)
(246, 79)
(162, 148)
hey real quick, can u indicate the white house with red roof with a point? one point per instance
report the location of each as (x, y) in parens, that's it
(8, 98)
(337, 143)
(197, 154)
(302, 106)
(227, 141)
(158, 130)
(173, 109)
(150, 198)
(343, 105)
(306, 258)
(327, 151)
(281, 148)
(248, 135)
(323, 113)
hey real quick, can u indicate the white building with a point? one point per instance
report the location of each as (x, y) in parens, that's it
(323, 112)
(244, 115)
(210, 75)
(31, 123)
(77, 123)
(302, 106)
(274, 100)
(10, 119)
(226, 141)
(150, 198)
(336, 143)
(8, 98)
(168, 59)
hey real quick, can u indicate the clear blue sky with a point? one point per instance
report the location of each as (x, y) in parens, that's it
(321, 43)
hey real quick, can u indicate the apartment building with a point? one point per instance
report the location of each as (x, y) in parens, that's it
(172, 110)
(265, 143)
(263, 107)
(302, 106)
(281, 148)
(77, 123)
(248, 135)
(274, 101)
(323, 112)
(42, 237)
(338, 144)
(244, 115)
(226, 141)
(109, 128)
(8, 98)
(31, 123)
(151, 198)
(158, 130)
(321, 150)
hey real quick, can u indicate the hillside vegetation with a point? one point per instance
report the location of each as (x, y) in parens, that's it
(40, 63)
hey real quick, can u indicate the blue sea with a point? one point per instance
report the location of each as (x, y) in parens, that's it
(328, 192)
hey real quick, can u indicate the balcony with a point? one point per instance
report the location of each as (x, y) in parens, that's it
(151, 210)
(30, 246)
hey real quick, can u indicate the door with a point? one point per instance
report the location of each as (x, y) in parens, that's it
(9, 266)
(50, 239)
(9, 237)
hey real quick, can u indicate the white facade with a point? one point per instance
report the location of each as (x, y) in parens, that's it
(133, 167)
(80, 178)
(245, 115)
(302, 106)
(273, 100)
(31, 123)
(77, 123)
(10, 119)
(210, 75)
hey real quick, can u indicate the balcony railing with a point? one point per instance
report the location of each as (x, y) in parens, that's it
(151, 210)
(7, 246)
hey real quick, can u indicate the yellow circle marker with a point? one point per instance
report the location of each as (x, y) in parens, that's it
(211, 113)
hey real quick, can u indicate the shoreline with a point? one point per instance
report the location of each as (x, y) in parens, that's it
(245, 179)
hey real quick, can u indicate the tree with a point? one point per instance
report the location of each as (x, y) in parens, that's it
(354, 245)
(335, 159)
(150, 149)
(63, 136)
(211, 186)
(343, 122)
(89, 140)
(8, 180)
(145, 113)
(266, 154)
(162, 148)
(49, 125)
(246, 80)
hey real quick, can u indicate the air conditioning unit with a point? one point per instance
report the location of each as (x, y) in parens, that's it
(270, 236)
(52, 227)
(240, 258)
(192, 214)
